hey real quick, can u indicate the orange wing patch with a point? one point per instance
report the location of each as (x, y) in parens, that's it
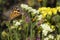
(40, 0)
(14, 14)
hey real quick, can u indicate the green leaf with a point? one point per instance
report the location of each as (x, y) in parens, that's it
(56, 19)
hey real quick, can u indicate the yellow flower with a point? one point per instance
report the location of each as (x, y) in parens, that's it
(48, 23)
(58, 8)
(42, 12)
(44, 15)
(52, 27)
(54, 10)
(49, 13)
(42, 9)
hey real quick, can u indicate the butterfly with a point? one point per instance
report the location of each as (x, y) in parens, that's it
(14, 13)
(40, 0)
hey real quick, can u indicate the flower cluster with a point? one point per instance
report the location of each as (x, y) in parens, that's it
(33, 12)
(16, 24)
(48, 11)
(46, 28)
(29, 9)
(43, 13)
(50, 37)
(35, 24)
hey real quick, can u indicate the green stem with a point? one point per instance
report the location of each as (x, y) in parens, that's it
(9, 32)
(31, 29)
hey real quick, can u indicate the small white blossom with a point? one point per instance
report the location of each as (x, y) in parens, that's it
(21, 21)
(51, 36)
(58, 37)
(39, 17)
(24, 6)
(34, 10)
(46, 27)
(14, 21)
(37, 12)
(29, 8)
(17, 23)
(46, 38)
(44, 32)
(12, 27)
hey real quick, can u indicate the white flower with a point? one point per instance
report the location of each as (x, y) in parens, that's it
(37, 12)
(21, 21)
(24, 6)
(12, 27)
(51, 36)
(29, 8)
(58, 37)
(17, 23)
(46, 27)
(39, 17)
(19, 28)
(46, 38)
(34, 10)
(44, 32)
(14, 21)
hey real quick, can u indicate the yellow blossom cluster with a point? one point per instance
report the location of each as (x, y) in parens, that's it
(48, 11)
